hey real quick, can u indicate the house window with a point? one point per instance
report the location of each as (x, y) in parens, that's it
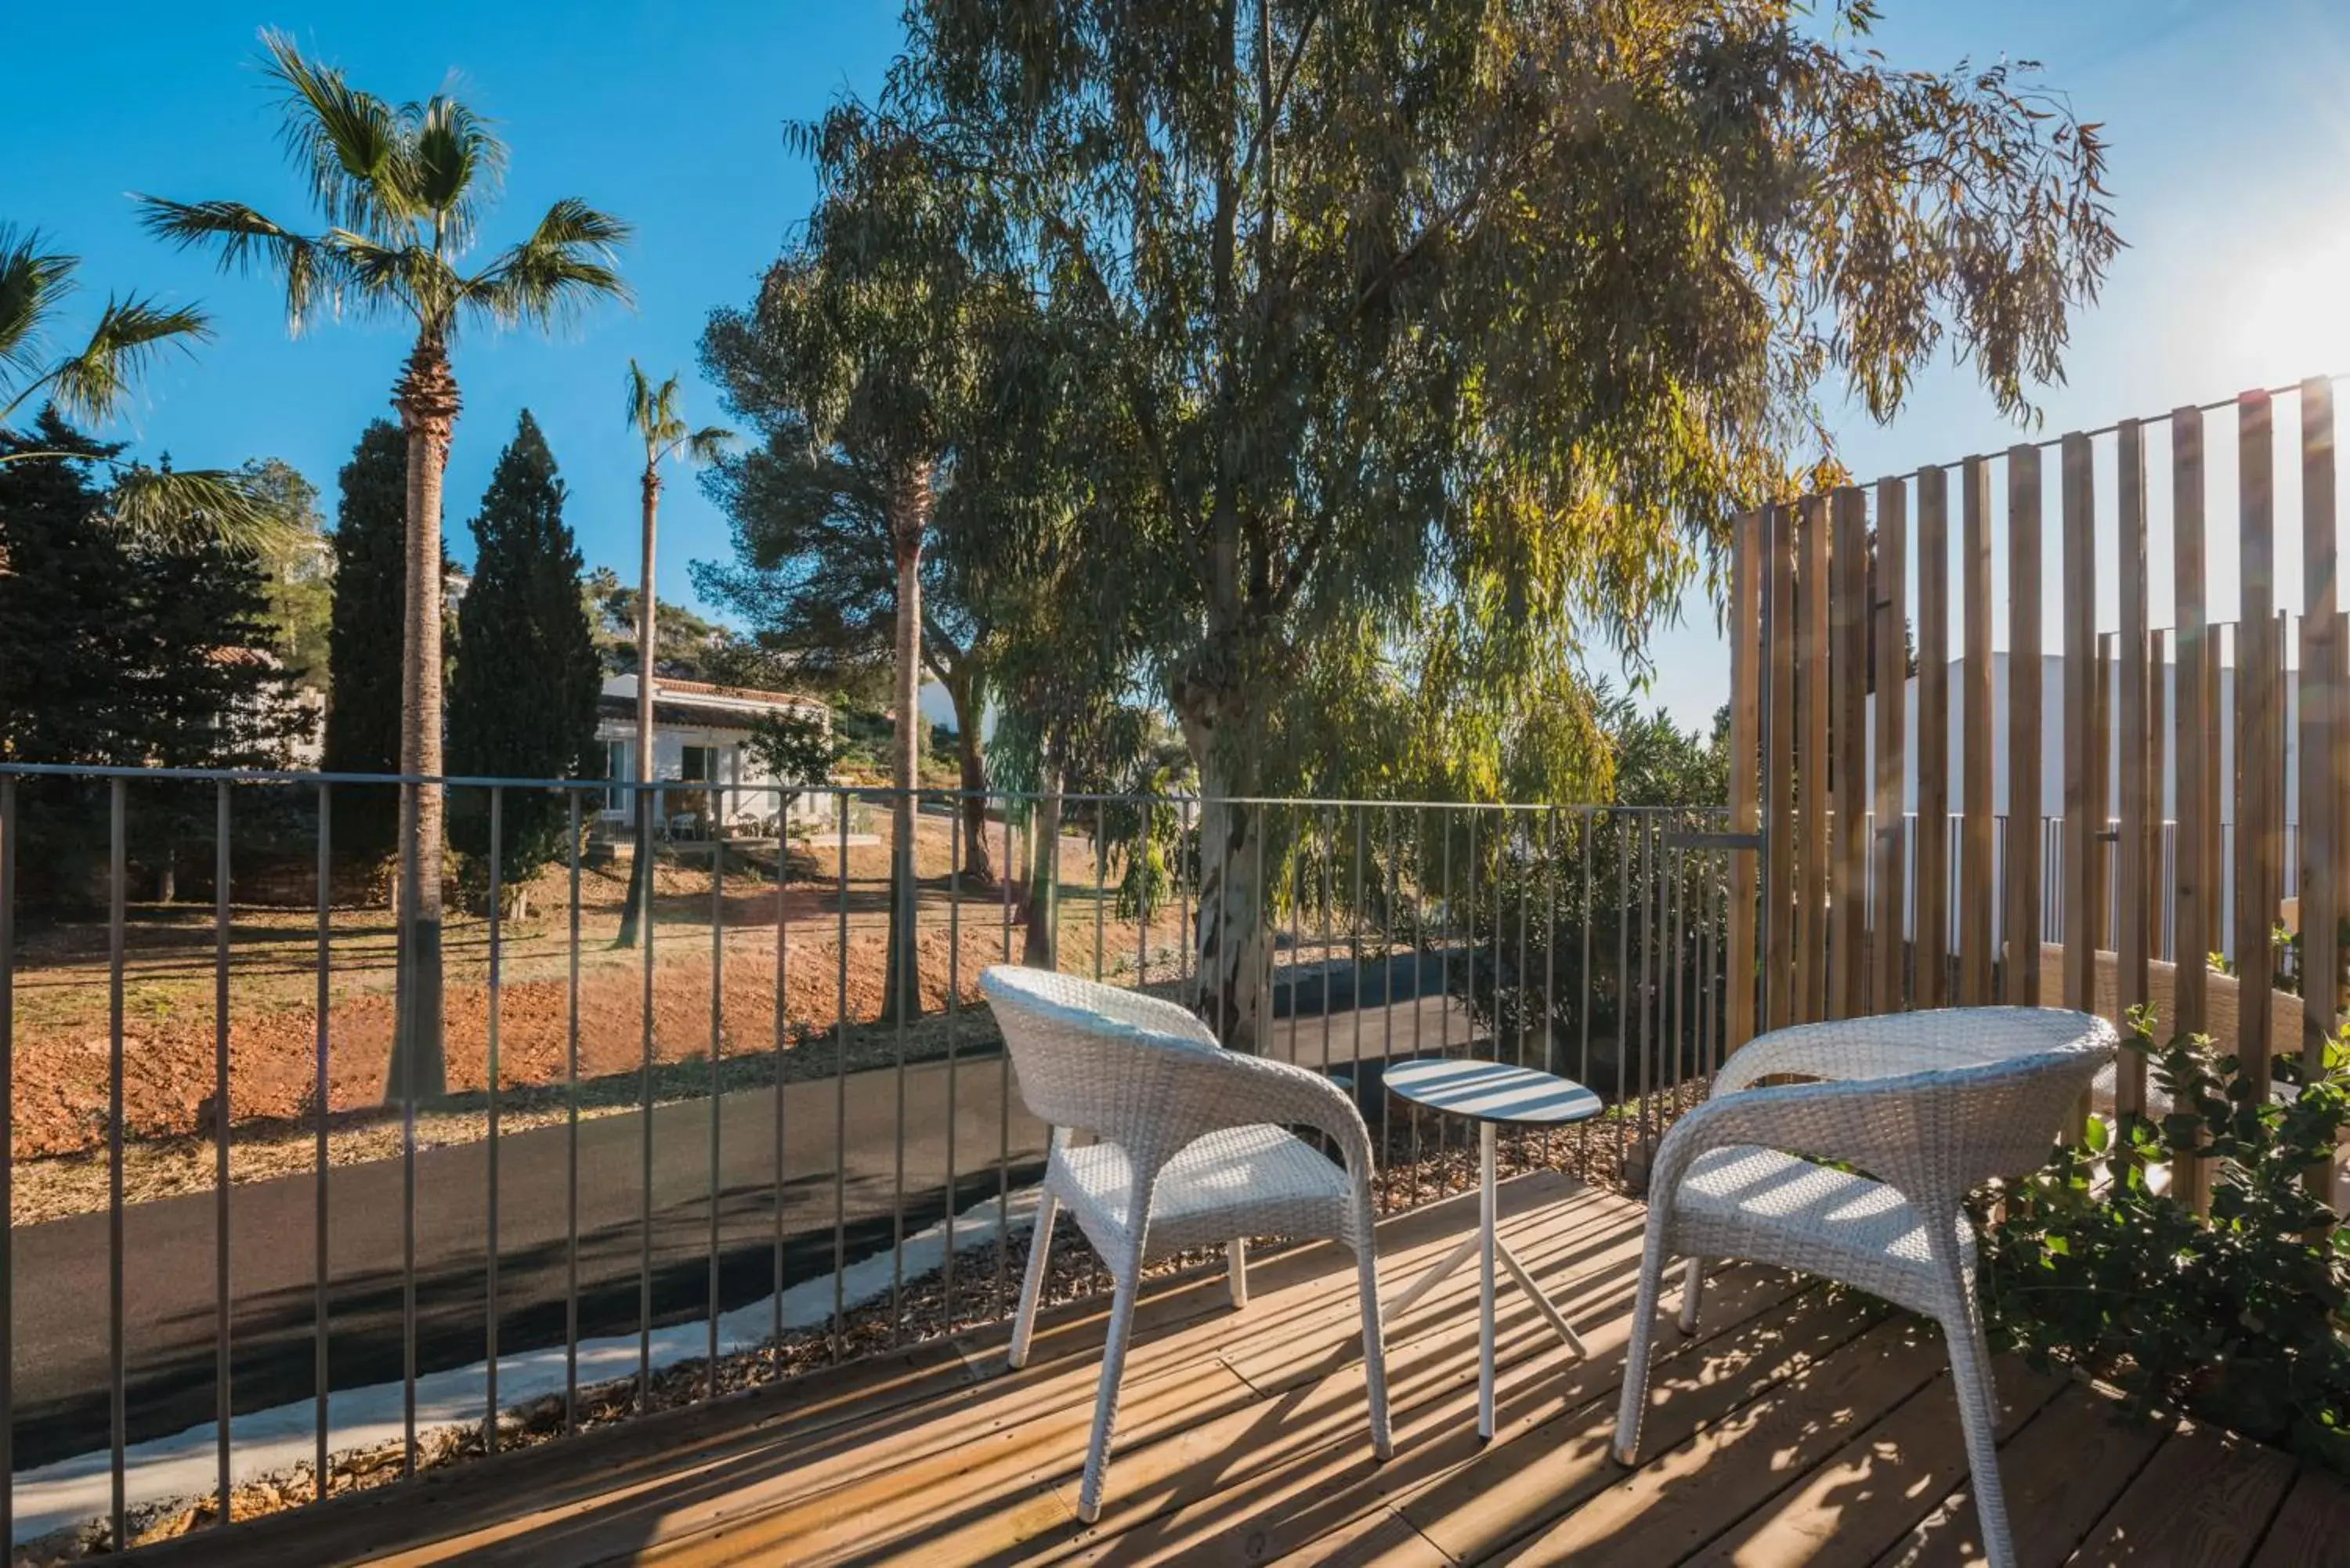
(700, 764)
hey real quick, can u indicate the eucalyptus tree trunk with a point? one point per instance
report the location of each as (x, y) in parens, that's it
(1233, 969)
(639, 907)
(978, 860)
(1041, 942)
(909, 508)
(427, 399)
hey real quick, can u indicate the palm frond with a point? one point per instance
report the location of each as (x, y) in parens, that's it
(459, 160)
(348, 143)
(406, 275)
(639, 388)
(129, 335)
(34, 283)
(245, 240)
(553, 277)
(182, 508)
(708, 444)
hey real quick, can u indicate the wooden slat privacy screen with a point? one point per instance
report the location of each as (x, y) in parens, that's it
(1909, 860)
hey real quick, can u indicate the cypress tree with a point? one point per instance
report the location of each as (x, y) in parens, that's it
(523, 701)
(363, 636)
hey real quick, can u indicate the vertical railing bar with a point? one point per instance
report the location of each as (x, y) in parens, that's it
(1355, 954)
(1624, 1029)
(8, 1159)
(117, 875)
(645, 1103)
(1186, 921)
(717, 1082)
(909, 922)
(1525, 877)
(1444, 970)
(1550, 959)
(783, 1038)
(319, 1107)
(497, 889)
(954, 1020)
(1004, 1110)
(1588, 832)
(841, 1093)
(1145, 904)
(1329, 855)
(571, 1124)
(1418, 975)
(223, 1402)
(1101, 852)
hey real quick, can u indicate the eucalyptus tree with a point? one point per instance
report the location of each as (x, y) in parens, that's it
(89, 384)
(1480, 316)
(860, 365)
(401, 188)
(655, 415)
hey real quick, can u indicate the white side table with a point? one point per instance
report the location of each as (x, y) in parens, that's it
(1492, 1095)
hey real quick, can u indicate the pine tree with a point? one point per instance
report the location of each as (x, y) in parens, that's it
(363, 638)
(523, 701)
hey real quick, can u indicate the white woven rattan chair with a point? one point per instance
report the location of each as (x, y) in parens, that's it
(1189, 1151)
(1930, 1105)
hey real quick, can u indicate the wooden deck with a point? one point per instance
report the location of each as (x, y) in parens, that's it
(1798, 1426)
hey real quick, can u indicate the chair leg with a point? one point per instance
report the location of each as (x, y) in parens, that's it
(1032, 1285)
(1692, 1293)
(1375, 1358)
(1121, 1326)
(1236, 1267)
(1979, 1418)
(1634, 1402)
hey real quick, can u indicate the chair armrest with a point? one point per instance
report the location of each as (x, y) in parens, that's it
(1241, 1091)
(1892, 1045)
(1859, 1124)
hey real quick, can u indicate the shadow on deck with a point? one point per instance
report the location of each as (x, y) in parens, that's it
(1800, 1425)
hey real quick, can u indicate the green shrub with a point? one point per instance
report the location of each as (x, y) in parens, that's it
(2240, 1318)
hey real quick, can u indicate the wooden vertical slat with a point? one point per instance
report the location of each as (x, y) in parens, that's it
(1779, 772)
(1848, 772)
(2100, 808)
(1812, 779)
(2133, 954)
(2084, 738)
(1890, 596)
(2025, 672)
(2197, 813)
(1976, 835)
(2161, 649)
(1932, 904)
(1749, 566)
(2321, 730)
(2259, 762)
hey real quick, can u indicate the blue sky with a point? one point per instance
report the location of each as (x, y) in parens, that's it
(2230, 123)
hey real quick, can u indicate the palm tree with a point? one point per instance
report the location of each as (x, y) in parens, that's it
(401, 188)
(653, 414)
(90, 385)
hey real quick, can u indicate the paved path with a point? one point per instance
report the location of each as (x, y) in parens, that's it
(61, 1359)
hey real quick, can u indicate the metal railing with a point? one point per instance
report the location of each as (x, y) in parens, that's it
(723, 1185)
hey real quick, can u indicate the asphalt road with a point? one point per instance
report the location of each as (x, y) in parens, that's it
(62, 1359)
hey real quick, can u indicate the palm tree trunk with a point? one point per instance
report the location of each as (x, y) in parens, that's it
(903, 985)
(428, 403)
(639, 907)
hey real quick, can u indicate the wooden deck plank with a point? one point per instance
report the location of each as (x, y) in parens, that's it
(2061, 1471)
(2204, 1501)
(1300, 1480)
(2313, 1528)
(1674, 1503)
(1515, 1487)
(1867, 1494)
(1797, 1425)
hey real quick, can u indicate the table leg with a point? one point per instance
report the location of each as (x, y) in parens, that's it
(1486, 1239)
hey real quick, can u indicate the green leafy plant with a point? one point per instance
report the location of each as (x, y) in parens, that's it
(2240, 1317)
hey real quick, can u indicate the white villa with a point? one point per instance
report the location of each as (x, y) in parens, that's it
(699, 735)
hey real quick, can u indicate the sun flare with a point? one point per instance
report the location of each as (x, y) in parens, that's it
(2293, 314)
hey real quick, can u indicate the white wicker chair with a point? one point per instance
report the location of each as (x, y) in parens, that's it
(1191, 1152)
(1930, 1105)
